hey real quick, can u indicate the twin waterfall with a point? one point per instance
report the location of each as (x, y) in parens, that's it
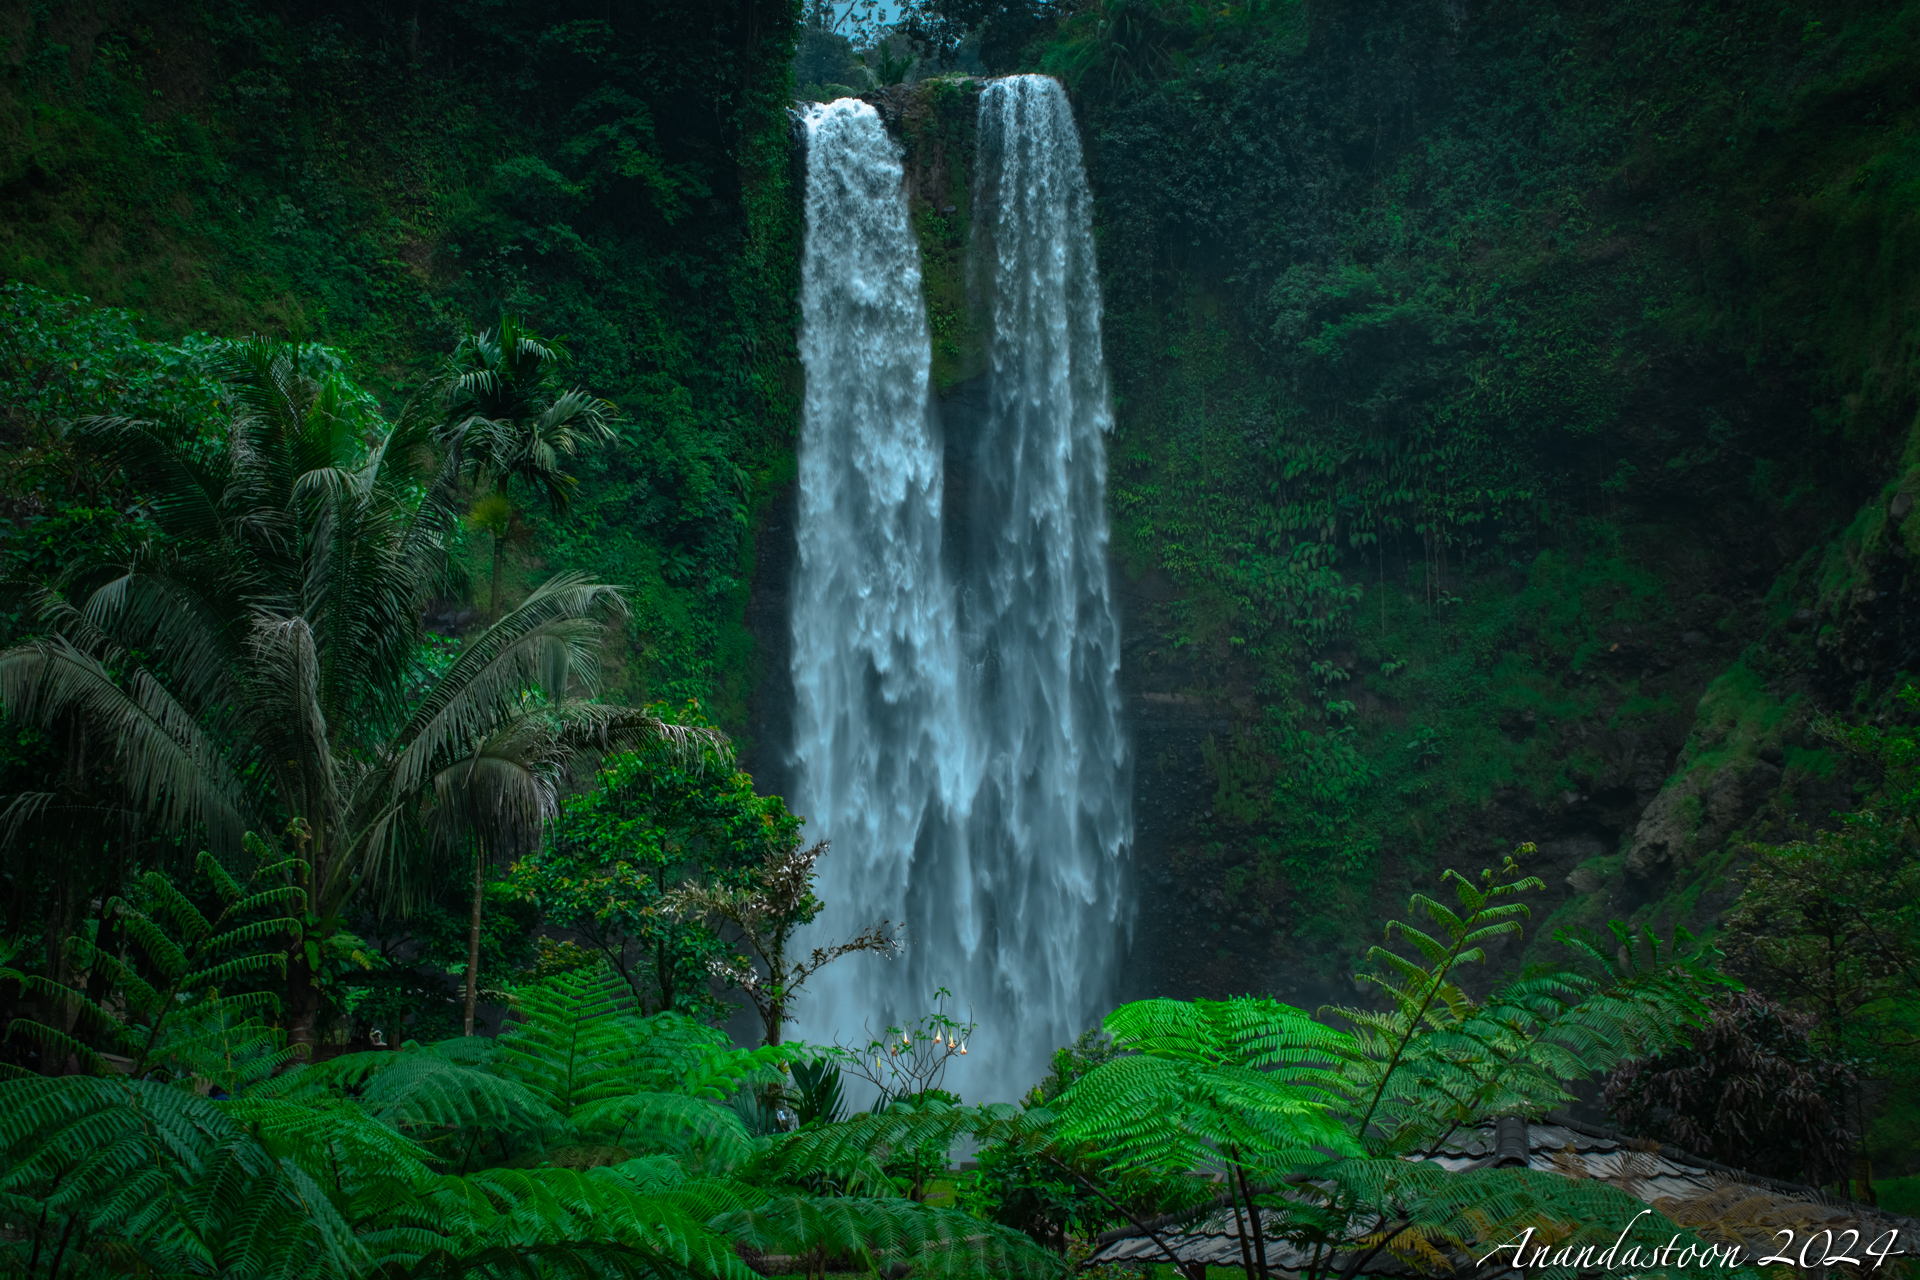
(956, 720)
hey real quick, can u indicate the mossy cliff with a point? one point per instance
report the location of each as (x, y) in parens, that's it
(1515, 408)
(1512, 404)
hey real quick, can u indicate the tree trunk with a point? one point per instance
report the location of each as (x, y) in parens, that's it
(61, 1011)
(303, 995)
(493, 596)
(1253, 1217)
(106, 940)
(775, 1014)
(473, 932)
(663, 976)
(1240, 1223)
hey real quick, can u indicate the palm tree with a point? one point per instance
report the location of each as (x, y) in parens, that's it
(262, 666)
(509, 419)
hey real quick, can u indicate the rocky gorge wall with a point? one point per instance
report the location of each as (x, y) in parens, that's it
(1617, 656)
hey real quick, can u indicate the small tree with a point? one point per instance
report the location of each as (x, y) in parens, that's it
(510, 418)
(501, 799)
(764, 915)
(911, 1061)
(659, 819)
(1830, 926)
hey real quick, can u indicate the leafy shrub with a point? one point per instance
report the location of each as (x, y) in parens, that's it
(1751, 1090)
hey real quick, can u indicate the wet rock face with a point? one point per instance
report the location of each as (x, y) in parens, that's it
(1695, 813)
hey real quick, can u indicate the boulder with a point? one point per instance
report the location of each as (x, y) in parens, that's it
(1695, 812)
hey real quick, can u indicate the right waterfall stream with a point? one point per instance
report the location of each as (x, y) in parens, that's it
(976, 783)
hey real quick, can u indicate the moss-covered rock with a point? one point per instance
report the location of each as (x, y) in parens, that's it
(935, 121)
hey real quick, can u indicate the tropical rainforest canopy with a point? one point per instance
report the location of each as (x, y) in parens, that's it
(1514, 447)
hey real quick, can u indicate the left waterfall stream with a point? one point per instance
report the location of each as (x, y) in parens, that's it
(882, 757)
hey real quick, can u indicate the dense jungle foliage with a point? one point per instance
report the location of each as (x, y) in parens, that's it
(588, 1139)
(1515, 441)
(384, 179)
(1478, 367)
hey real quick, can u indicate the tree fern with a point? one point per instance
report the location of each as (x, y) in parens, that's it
(532, 1208)
(183, 1025)
(1312, 1123)
(1437, 1060)
(162, 1175)
(573, 1038)
(701, 1132)
(879, 1231)
(455, 1110)
(852, 1152)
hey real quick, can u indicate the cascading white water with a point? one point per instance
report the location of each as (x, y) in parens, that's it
(1053, 819)
(882, 750)
(976, 786)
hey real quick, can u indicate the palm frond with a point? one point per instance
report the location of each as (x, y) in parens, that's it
(169, 766)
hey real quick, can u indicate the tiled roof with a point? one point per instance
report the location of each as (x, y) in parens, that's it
(1721, 1204)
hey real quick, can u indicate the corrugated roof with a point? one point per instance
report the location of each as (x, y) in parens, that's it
(1722, 1204)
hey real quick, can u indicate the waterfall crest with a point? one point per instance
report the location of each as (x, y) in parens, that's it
(958, 737)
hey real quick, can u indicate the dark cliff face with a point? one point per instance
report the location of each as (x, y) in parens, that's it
(1490, 467)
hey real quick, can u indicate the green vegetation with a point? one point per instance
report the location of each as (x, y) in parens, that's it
(653, 818)
(1831, 925)
(937, 129)
(1515, 441)
(1477, 373)
(259, 662)
(586, 1138)
(592, 1139)
(1276, 1099)
(381, 183)
(1752, 1088)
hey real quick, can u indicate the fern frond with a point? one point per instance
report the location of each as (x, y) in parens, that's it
(854, 1150)
(942, 1242)
(1165, 1114)
(161, 950)
(331, 1138)
(186, 917)
(572, 1037)
(672, 1123)
(552, 1210)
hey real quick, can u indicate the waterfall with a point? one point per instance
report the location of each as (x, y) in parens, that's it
(959, 739)
(1053, 817)
(882, 750)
